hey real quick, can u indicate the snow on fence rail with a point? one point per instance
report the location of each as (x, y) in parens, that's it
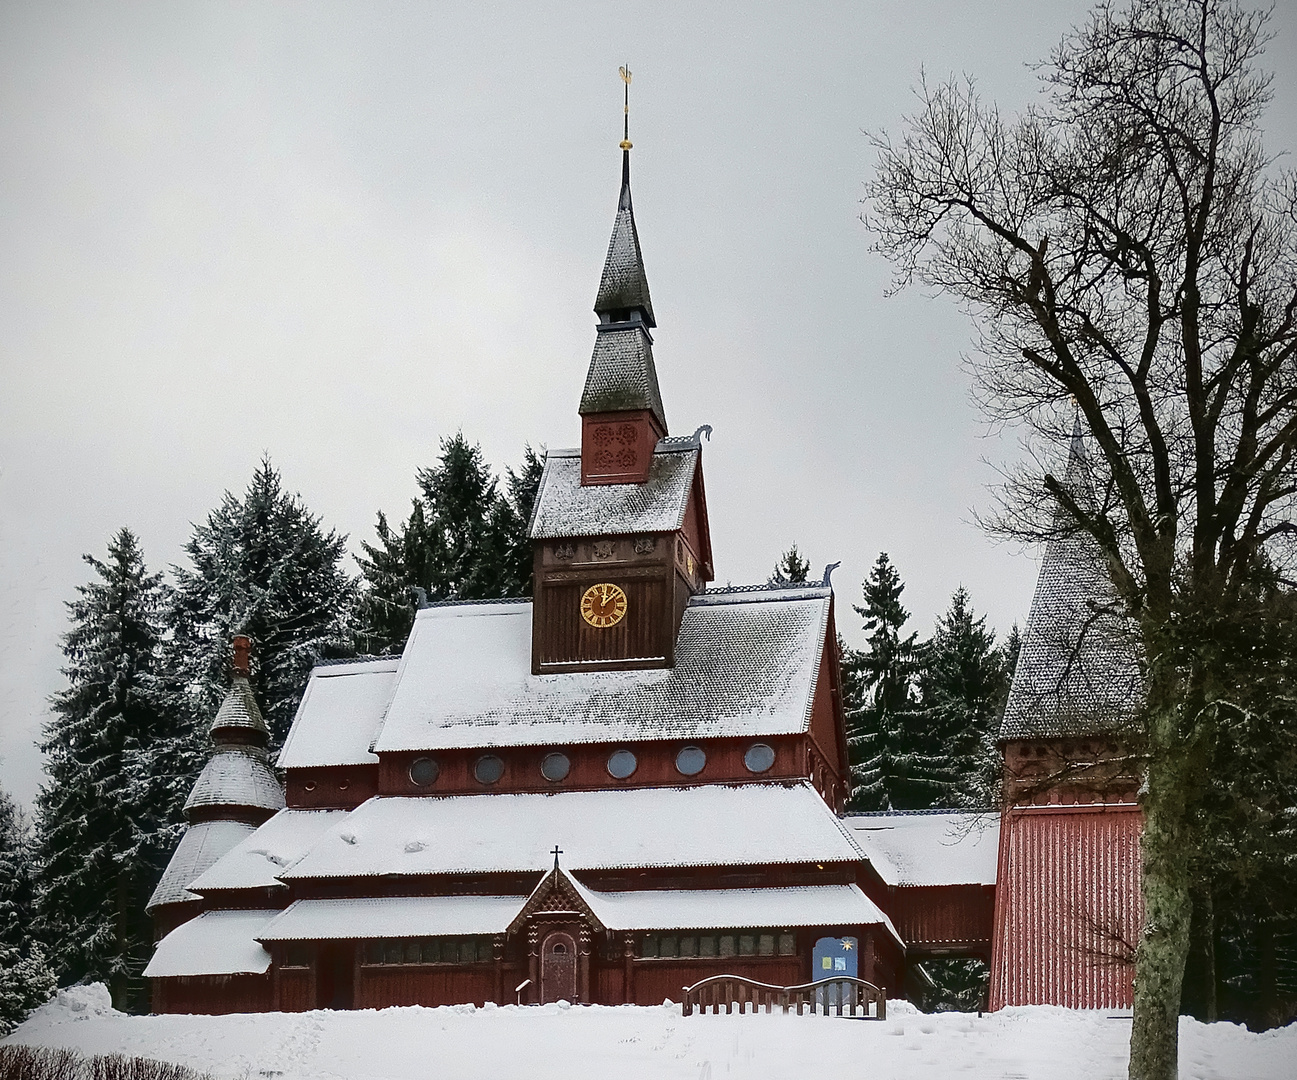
(828, 995)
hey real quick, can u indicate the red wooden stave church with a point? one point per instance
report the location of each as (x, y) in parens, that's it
(629, 781)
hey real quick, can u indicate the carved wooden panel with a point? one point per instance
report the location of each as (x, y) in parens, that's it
(617, 448)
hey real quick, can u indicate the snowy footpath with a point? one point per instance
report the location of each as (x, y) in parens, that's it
(629, 1043)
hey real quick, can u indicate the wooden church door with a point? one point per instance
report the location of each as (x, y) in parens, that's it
(558, 967)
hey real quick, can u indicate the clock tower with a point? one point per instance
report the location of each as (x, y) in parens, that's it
(620, 527)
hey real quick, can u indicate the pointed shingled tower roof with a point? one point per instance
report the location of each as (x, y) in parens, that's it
(622, 376)
(623, 286)
(1078, 670)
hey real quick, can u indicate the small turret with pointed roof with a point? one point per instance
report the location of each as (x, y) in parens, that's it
(237, 784)
(236, 791)
(622, 417)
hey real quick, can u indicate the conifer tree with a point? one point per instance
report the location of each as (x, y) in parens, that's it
(263, 565)
(522, 486)
(463, 540)
(26, 980)
(962, 687)
(791, 569)
(890, 768)
(98, 858)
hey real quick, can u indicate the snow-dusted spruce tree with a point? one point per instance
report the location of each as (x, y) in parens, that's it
(464, 540)
(97, 860)
(1129, 245)
(962, 689)
(26, 980)
(892, 768)
(1243, 946)
(262, 565)
(791, 569)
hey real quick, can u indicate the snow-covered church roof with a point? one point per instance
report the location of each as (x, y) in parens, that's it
(938, 847)
(236, 776)
(746, 666)
(649, 909)
(215, 943)
(201, 847)
(339, 714)
(565, 508)
(257, 859)
(708, 825)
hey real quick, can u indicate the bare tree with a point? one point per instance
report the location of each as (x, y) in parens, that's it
(1127, 246)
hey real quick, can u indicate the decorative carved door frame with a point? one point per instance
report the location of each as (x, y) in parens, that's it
(559, 960)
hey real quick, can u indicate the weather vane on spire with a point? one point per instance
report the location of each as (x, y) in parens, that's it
(624, 71)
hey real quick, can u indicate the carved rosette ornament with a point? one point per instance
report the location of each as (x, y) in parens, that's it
(615, 446)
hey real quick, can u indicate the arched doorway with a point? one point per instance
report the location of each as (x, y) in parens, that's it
(558, 967)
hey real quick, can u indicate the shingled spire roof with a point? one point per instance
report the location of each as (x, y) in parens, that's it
(1078, 669)
(623, 288)
(622, 376)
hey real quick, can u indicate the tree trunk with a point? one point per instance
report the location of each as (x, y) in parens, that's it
(1168, 905)
(1267, 974)
(1211, 1004)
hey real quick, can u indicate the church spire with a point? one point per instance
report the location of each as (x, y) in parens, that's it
(622, 417)
(623, 287)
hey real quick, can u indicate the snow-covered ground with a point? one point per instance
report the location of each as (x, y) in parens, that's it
(628, 1043)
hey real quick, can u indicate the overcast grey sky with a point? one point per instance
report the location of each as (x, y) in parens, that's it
(337, 232)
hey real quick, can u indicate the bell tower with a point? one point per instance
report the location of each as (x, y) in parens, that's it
(620, 528)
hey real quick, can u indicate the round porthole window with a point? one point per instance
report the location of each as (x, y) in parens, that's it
(621, 763)
(555, 767)
(423, 772)
(488, 769)
(309, 785)
(691, 760)
(344, 783)
(759, 757)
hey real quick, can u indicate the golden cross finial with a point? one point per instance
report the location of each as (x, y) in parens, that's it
(624, 72)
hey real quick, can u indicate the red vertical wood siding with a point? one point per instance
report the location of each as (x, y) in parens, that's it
(1069, 875)
(944, 917)
(295, 989)
(379, 988)
(213, 995)
(657, 980)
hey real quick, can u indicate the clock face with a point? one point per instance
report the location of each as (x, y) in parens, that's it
(603, 605)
